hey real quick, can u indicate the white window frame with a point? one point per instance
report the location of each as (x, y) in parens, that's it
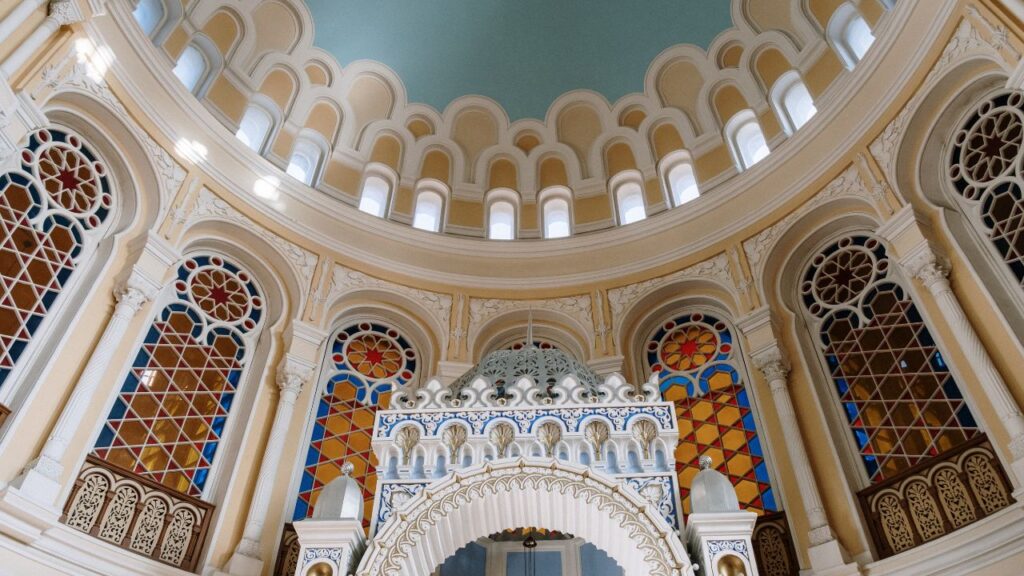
(501, 195)
(438, 188)
(262, 105)
(733, 133)
(621, 181)
(838, 30)
(171, 14)
(781, 91)
(382, 173)
(667, 166)
(211, 57)
(311, 141)
(548, 195)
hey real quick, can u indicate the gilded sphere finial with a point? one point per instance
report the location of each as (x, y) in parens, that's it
(705, 462)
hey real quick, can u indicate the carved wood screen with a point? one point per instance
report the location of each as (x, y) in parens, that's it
(773, 546)
(936, 497)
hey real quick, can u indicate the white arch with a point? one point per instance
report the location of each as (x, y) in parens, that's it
(489, 498)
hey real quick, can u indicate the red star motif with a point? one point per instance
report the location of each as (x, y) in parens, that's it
(374, 357)
(219, 295)
(68, 179)
(688, 348)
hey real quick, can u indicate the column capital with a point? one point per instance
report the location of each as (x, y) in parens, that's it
(772, 362)
(293, 374)
(928, 267)
(136, 291)
(65, 12)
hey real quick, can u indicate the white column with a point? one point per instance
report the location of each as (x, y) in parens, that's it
(60, 13)
(41, 481)
(923, 264)
(291, 376)
(826, 554)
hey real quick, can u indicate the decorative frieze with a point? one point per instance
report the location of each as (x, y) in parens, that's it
(345, 280)
(211, 207)
(483, 310)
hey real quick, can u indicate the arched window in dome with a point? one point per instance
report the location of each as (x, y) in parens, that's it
(683, 183)
(987, 187)
(374, 197)
(557, 218)
(746, 140)
(501, 220)
(793, 103)
(306, 159)
(699, 368)
(899, 398)
(172, 411)
(429, 211)
(54, 210)
(629, 200)
(365, 363)
(849, 34)
(196, 66)
(255, 128)
(149, 14)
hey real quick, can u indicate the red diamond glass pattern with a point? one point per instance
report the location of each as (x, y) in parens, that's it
(694, 357)
(170, 415)
(902, 404)
(46, 227)
(366, 362)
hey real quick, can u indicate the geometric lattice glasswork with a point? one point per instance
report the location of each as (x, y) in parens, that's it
(695, 359)
(986, 170)
(366, 362)
(901, 402)
(168, 419)
(51, 213)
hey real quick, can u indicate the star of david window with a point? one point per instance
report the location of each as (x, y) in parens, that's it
(365, 362)
(696, 360)
(986, 168)
(170, 415)
(896, 392)
(53, 211)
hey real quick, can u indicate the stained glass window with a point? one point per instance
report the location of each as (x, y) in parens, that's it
(366, 362)
(985, 171)
(698, 366)
(52, 212)
(168, 419)
(902, 404)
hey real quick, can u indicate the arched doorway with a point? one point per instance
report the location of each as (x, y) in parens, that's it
(525, 492)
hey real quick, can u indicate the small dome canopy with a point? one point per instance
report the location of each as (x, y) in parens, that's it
(546, 367)
(341, 499)
(711, 492)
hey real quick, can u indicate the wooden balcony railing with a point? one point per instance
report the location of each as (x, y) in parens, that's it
(934, 498)
(287, 552)
(4, 412)
(773, 546)
(138, 514)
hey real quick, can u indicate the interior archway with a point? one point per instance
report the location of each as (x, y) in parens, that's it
(530, 551)
(526, 492)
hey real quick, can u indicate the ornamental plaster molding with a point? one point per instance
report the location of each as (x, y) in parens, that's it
(483, 310)
(623, 298)
(59, 77)
(65, 12)
(847, 184)
(966, 41)
(210, 207)
(345, 280)
(611, 515)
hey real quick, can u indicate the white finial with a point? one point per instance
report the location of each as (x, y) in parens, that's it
(347, 469)
(705, 462)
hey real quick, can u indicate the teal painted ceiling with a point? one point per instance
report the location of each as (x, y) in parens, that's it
(522, 53)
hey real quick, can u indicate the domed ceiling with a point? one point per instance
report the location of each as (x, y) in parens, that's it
(522, 53)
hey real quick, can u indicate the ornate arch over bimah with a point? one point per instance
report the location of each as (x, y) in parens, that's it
(526, 492)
